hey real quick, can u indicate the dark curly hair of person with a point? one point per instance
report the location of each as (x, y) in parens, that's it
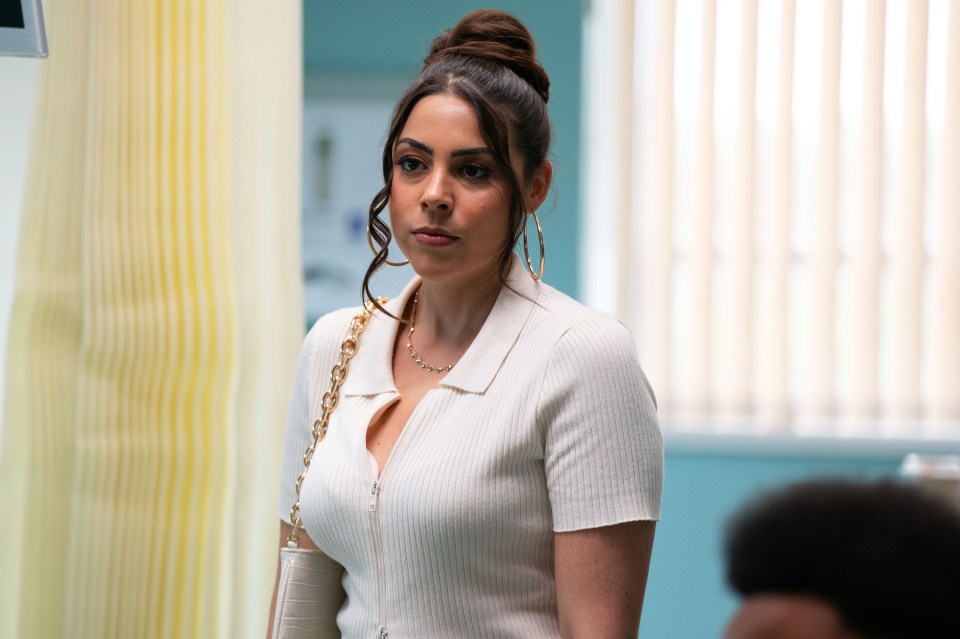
(885, 554)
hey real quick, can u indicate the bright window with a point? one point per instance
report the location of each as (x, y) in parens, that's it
(772, 204)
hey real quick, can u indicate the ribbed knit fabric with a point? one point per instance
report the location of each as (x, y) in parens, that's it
(546, 424)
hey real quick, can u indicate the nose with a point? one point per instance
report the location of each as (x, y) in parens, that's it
(436, 192)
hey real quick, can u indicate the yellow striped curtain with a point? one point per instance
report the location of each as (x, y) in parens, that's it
(155, 322)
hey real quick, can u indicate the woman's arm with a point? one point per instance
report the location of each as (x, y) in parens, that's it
(601, 575)
(307, 544)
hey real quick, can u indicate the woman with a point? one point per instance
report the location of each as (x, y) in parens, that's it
(494, 466)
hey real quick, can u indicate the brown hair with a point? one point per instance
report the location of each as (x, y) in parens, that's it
(489, 60)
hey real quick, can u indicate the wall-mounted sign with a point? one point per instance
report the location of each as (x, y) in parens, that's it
(21, 28)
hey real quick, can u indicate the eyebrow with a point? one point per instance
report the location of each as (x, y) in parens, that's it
(478, 150)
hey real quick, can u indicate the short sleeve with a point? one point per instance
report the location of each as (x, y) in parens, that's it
(317, 356)
(603, 450)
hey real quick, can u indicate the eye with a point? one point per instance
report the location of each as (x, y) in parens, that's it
(475, 171)
(408, 164)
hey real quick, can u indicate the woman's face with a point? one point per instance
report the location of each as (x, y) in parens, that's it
(449, 202)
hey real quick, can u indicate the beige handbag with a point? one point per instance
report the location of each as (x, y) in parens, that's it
(310, 589)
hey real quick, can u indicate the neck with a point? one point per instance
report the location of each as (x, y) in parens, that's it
(454, 313)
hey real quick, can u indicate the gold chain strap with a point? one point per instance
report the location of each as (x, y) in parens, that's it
(339, 373)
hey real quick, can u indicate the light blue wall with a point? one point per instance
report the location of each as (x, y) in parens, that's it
(381, 37)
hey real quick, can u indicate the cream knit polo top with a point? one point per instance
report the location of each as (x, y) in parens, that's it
(545, 424)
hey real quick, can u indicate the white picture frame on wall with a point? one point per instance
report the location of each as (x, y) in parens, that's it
(22, 31)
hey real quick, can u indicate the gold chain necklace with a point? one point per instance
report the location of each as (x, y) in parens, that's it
(413, 353)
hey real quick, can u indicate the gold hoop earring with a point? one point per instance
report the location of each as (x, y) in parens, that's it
(387, 262)
(526, 251)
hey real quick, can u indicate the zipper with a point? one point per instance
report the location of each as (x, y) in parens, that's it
(373, 507)
(374, 496)
(373, 504)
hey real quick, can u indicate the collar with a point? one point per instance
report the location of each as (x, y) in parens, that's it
(371, 371)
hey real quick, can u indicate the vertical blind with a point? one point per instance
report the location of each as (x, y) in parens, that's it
(772, 204)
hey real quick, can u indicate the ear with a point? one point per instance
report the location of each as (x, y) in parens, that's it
(538, 186)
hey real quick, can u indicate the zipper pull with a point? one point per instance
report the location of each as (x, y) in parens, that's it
(382, 632)
(372, 506)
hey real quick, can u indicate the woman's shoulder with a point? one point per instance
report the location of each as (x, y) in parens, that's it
(566, 315)
(588, 339)
(330, 329)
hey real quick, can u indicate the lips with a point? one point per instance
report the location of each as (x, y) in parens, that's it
(431, 236)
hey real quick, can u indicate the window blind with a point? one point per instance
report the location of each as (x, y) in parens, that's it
(772, 204)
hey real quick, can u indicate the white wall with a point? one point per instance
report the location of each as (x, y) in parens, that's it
(18, 88)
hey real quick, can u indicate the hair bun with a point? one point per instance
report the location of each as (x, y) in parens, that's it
(498, 37)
